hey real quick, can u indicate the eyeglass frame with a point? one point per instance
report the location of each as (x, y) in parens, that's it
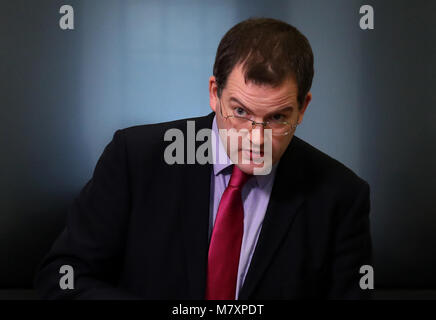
(263, 123)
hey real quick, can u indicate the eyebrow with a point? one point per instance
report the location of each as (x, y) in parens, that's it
(283, 109)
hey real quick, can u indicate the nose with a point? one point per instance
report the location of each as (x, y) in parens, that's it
(257, 136)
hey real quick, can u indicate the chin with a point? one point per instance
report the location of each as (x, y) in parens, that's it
(254, 166)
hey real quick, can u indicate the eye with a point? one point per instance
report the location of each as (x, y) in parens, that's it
(277, 117)
(240, 112)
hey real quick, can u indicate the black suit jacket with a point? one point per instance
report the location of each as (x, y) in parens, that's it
(139, 227)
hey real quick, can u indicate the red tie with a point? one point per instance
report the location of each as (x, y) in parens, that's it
(225, 244)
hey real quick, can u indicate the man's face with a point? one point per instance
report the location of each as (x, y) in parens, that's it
(259, 103)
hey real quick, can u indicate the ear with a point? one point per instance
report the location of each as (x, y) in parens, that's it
(213, 91)
(303, 109)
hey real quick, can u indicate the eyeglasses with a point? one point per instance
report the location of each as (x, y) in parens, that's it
(278, 128)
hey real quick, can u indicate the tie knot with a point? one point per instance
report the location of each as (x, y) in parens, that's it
(238, 178)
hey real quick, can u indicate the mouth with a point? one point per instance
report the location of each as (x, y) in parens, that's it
(250, 154)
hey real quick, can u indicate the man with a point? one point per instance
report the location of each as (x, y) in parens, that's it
(143, 228)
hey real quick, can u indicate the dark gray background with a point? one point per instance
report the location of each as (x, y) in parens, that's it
(64, 93)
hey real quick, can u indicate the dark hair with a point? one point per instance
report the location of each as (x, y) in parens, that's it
(270, 51)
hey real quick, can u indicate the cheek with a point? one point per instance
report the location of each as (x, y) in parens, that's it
(219, 123)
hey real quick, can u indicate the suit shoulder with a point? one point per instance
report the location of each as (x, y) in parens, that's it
(139, 130)
(320, 166)
(153, 134)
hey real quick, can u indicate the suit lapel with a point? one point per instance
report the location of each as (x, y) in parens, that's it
(194, 212)
(285, 201)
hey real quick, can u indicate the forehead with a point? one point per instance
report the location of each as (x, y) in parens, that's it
(236, 86)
